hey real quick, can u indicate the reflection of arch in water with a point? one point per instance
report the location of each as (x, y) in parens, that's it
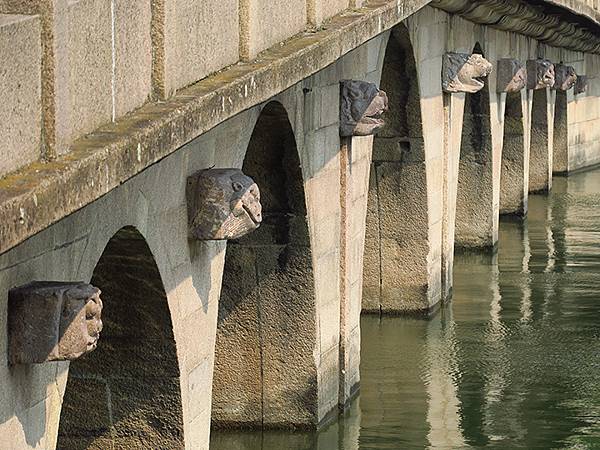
(265, 368)
(514, 170)
(540, 158)
(126, 393)
(397, 236)
(474, 201)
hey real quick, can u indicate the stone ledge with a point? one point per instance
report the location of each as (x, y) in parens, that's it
(43, 193)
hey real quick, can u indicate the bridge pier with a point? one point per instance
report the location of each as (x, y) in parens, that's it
(264, 331)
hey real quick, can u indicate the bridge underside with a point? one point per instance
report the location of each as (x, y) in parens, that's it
(263, 331)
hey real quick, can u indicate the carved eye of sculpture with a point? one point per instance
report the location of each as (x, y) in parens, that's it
(237, 187)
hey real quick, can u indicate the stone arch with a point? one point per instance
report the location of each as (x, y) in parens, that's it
(126, 394)
(474, 201)
(539, 155)
(513, 176)
(265, 370)
(560, 159)
(396, 275)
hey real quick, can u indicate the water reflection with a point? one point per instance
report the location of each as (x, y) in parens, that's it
(513, 362)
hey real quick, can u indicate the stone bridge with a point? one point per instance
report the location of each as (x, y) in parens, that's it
(115, 118)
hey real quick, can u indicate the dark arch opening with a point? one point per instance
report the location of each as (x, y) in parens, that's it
(475, 201)
(513, 193)
(560, 159)
(539, 154)
(395, 276)
(265, 371)
(126, 394)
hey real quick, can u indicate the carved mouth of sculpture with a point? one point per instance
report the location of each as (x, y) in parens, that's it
(478, 82)
(256, 218)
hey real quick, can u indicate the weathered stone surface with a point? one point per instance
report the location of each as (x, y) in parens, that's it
(264, 23)
(540, 74)
(133, 55)
(222, 204)
(88, 101)
(28, 201)
(20, 90)
(184, 44)
(512, 75)
(462, 72)
(565, 77)
(52, 321)
(321, 10)
(361, 107)
(581, 85)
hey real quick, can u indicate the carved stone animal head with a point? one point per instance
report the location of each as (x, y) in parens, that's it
(462, 72)
(361, 107)
(53, 321)
(565, 77)
(222, 204)
(512, 75)
(540, 74)
(581, 85)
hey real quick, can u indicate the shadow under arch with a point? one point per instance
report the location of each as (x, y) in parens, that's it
(513, 192)
(126, 394)
(395, 276)
(265, 371)
(539, 154)
(475, 200)
(560, 159)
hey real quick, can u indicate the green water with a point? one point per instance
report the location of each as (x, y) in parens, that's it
(512, 362)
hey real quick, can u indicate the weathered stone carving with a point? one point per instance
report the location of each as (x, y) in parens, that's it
(361, 107)
(540, 74)
(52, 321)
(581, 85)
(462, 72)
(512, 75)
(565, 77)
(222, 204)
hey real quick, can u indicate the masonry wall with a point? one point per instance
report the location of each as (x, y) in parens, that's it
(63, 85)
(191, 272)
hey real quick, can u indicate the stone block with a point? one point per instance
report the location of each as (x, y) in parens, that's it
(321, 10)
(133, 55)
(265, 23)
(89, 73)
(20, 89)
(52, 321)
(185, 46)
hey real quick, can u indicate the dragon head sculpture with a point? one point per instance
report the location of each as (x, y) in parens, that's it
(361, 107)
(540, 74)
(462, 72)
(581, 85)
(222, 204)
(565, 77)
(53, 321)
(512, 75)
